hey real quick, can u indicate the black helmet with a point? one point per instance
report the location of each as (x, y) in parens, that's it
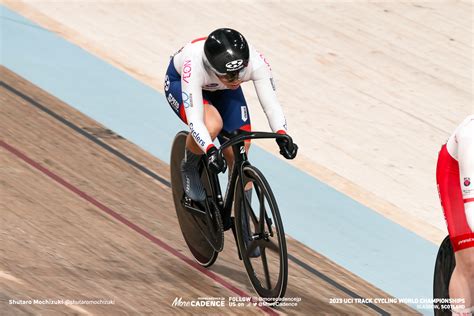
(227, 53)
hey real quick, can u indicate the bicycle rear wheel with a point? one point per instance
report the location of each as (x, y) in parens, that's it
(445, 263)
(196, 241)
(267, 272)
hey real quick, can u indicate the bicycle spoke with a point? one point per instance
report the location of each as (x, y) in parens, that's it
(250, 211)
(261, 221)
(266, 270)
(269, 224)
(254, 218)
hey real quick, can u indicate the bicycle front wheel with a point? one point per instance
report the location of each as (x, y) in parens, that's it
(260, 236)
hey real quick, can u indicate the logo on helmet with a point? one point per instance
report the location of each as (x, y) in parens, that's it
(234, 65)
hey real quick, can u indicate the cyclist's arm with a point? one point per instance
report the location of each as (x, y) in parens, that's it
(191, 77)
(465, 138)
(265, 88)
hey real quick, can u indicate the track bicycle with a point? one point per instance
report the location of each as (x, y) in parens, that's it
(256, 225)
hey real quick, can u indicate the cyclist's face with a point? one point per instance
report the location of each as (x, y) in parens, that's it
(231, 83)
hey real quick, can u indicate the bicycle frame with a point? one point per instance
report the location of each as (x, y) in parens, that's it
(251, 228)
(236, 140)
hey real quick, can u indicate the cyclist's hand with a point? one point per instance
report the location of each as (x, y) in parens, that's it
(215, 161)
(287, 150)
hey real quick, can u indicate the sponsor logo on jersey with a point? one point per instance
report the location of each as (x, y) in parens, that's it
(273, 84)
(187, 100)
(265, 60)
(173, 102)
(234, 65)
(211, 85)
(467, 182)
(187, 70)
(196, 136)
(243, 113)
(167, 83)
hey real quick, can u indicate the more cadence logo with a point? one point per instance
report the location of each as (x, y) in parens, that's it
(200, 302)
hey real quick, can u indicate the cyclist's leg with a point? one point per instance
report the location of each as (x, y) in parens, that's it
(462, 238)
(193, 186)
(212, 119)
(213, 122)
(233, 109)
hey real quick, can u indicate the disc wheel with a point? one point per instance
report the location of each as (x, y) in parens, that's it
(196, 241)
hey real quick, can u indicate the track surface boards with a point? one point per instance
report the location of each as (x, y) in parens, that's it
(80, 222)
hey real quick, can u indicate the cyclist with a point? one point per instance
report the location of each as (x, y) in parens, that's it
(455, 177)
(202, 86)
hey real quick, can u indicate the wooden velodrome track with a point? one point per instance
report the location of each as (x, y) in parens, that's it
(88, 215)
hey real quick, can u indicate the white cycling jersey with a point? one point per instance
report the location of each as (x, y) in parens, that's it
(189, 62)
(460, 146)
(464, 130)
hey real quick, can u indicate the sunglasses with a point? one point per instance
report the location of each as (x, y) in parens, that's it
(231, 77)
